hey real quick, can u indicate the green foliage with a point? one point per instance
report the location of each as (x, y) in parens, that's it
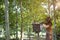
(31, 10)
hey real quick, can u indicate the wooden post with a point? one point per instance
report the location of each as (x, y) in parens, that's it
(38, 38)
(29, 33)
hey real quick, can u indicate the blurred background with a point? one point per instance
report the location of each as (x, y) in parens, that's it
(17, 16)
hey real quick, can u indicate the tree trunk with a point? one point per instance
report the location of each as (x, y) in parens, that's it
(16, 20)
(54, 19)
(21, 20)
(16, 25)
(7, 21)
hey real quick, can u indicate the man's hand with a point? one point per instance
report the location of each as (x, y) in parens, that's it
(46, 26)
